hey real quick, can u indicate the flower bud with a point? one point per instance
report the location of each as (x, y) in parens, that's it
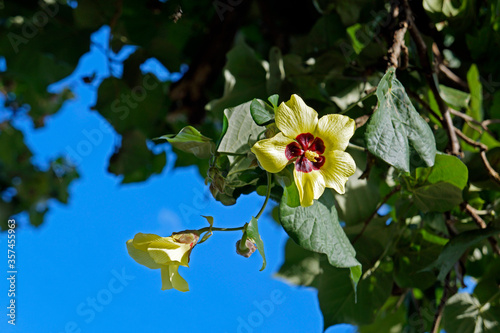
(246, 249)
(190, 237)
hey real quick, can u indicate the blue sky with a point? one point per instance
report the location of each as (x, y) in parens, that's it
(74, 273)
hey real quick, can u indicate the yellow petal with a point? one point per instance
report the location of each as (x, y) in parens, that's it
(338, 167)
(166, 251)
(295, 117)
(166, 284)
(311, 185)
(271, 152)
(171, 278)
(335, 130)
(141, 241)
(142, 257)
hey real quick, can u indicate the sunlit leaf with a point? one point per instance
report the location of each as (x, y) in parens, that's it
(242, 132)
(190, 140)
(316, 228)
(396, 125)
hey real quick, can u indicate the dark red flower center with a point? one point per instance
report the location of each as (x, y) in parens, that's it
(308, 151)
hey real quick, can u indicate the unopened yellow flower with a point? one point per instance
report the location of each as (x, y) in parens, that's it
(317, 147)
(166, 253)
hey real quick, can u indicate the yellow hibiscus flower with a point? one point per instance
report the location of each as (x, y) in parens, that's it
(165, 253)
(317, 147)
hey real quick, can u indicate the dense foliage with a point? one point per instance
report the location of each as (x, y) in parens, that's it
(419, 78)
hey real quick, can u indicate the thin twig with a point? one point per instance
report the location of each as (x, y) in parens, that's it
(483, 149)
(353, 146)
(360, 121)
(481, 224)
(452, 76)
(398, 41)
(488, 122)
(492, 172)
(469, 120)
(424, 59)
(469, 141)
(439, 313)
(370, 218)
(446, 71)
(368, 95)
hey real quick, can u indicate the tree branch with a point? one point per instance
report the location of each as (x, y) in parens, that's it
(492, 172)
(398, 41)
(452, 76)
(483, 149)
(481, 224)
(469, 141)
(446, 71)
(484, 124)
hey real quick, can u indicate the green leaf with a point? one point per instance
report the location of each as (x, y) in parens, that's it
(396, 125)
(117, 102)
(447, 168)
(411, 259)
(357, 44)
(361, 196)
(316, 228)
(93, 14)
(456, 247)
(190, 140)
(300, 266)
(391, 319)
(440, 188)
(274, 99)
(252, 231)
(464, 313)
(327, 34)
(355, 274)
(489, 282)
(242, 132)
(476, 100)
(245, 78)
(337, 301)
(261, 112)
(436, 222)
(349, 12)
(134, 160)
(432, 238)
(291, 195)
(456, 99)
(209, 233)
(441, 6)
(439, 197)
